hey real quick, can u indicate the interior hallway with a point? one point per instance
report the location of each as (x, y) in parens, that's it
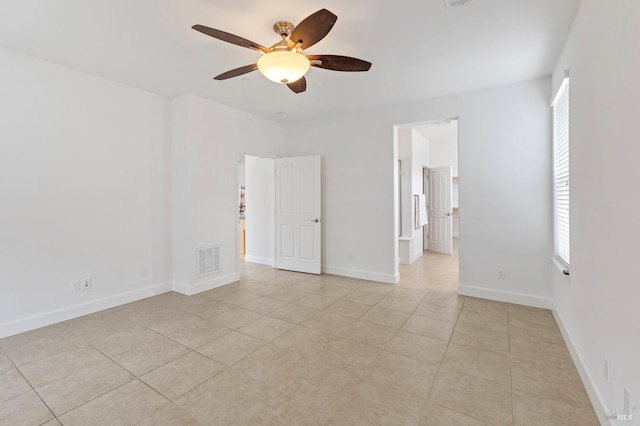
(283, 348)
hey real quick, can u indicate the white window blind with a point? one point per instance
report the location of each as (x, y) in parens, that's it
(560, 106)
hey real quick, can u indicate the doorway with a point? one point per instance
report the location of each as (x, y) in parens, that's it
(279, 206)
(428, 153)
(255, 209)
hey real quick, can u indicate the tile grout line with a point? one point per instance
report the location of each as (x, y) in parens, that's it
(31, 386)
(438, 374)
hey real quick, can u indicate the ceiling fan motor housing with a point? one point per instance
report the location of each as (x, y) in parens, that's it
(283, 28)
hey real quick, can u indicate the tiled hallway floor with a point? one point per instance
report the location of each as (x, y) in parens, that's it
(282, 348)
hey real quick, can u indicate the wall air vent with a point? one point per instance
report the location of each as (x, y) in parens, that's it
(454, 3)
(208, 259)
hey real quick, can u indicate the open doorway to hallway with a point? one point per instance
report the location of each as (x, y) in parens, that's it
(255, 210)
(427, 158)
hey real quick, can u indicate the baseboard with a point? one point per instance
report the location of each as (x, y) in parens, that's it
(258, 259)
(594, 395)
(191, 289)
(64, 314)
(363, 275)
(506, 296)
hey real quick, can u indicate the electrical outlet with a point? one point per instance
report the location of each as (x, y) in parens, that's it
(86, 283)
(606, 369)
(75, 285)
(501, 273)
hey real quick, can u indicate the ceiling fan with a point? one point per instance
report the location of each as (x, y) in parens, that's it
(284, 62)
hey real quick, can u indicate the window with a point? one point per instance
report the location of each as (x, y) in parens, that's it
(560, 106)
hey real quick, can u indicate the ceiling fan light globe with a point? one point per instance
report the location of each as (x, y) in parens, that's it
(283, 66)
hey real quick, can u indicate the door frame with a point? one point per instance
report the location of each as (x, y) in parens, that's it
(397, 218)
(425, 191)
(240, 157)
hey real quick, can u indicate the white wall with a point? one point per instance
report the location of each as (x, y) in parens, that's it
(181, 262)
(83, 178)
(504, 153)
(203, 193)
(404, 155)
(241, 175)
(420, 158)
(598, 306)
(444, 146)
(260, 213)
(413, 151)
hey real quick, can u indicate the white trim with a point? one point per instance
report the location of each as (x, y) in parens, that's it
(52, 317)
(363, 275)
(561, 89)
(191, 289)
(417, 254)
(506, 296)
(258, 259)
(589, 384)
(561, 173)
(561, 267)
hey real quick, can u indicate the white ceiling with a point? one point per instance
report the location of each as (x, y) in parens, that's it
(419, 48)
(445, 131)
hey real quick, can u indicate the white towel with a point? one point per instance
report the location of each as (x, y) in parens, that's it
(420, 210)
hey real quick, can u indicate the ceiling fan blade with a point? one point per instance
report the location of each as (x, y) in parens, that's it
(230, 38)
(236, 72)
(298, 86)
(313, 28)
(339, 63)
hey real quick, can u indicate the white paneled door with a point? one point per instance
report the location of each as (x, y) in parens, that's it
(298, 221)
(440, 213)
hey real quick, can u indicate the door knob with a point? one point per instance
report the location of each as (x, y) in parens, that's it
(316, 220)
(448, 213)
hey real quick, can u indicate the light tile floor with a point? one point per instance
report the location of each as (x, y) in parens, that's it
(282, 348)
